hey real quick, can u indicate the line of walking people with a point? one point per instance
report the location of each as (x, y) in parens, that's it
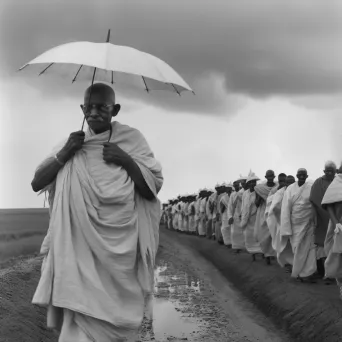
(296, 222)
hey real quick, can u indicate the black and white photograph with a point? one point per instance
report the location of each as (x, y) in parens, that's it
(171, 171)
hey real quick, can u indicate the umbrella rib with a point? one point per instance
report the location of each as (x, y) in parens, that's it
(175, 89)
(77, 73)
(145, 83)
(46, 69)
(23, 67)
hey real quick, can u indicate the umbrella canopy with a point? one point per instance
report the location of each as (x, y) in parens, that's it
(110, 63)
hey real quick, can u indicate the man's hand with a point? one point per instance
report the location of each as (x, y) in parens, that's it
(112, 153)
(73, 144)
(231, 220)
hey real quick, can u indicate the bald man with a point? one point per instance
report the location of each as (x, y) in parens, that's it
(104, 226)
(298, 224)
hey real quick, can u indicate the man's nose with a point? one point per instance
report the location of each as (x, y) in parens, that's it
(93, 112)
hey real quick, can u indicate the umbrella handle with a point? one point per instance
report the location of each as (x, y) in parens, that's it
(91, 90)
(110, 130)
(83, 123)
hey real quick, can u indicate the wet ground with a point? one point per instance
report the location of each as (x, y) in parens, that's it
(192, 302)
(188, 307)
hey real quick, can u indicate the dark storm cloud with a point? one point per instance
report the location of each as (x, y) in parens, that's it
(257, 48)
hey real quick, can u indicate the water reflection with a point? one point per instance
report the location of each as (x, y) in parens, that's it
(174, 294)
(164, 281)
(168, 321)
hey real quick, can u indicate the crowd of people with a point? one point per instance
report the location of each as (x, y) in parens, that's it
(296, 222)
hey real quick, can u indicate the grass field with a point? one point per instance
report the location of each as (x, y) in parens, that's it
(21, 231)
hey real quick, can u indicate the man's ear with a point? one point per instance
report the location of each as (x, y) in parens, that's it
(116, 110)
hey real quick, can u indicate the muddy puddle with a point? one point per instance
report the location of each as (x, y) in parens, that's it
(182, 310)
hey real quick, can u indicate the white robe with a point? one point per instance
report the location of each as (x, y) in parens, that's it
(261, 230)
(234, 211)
(101, 243)
(192, 226)
(333, 244)
(248, 218)
(280, 244)
(175, 216)
(202, 217)
(297, 223)
(180, 216)
(225, 228)
(185, 217)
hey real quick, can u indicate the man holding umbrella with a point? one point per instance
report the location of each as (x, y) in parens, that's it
(104, 226)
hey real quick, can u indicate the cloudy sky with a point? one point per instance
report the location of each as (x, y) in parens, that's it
(267, 76)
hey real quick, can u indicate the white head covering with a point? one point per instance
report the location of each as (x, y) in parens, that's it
(242, 178)
(252, 176)
(230, 185)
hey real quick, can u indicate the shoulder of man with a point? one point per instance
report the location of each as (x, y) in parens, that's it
(126, 129)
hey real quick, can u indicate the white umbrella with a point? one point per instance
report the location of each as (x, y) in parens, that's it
(109, 63)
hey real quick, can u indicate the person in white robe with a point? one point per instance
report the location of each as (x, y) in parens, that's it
(209, 217)
(332, 202)
(210, 233)
(234, 217)
(244, 187)
(280, 244)
(175, 215)
(170, 215)
(213, 209)
(186, 215)
(224, 202)
(191, 214)
(217, 220)
(163, 216)
(182, 210)
(197, 210)
(261, 231)
(180, 214)
(202, 213)
(100, 248)
(248, 216)
(298, 223)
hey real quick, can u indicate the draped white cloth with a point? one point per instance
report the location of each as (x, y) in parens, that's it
(213, 200)
(175, 216)
(281, 244)
(225, 228)
(185, 217)
(217, 218)
(197, 212)
(333, 242)
(247, 223)
(261, 231)
(234, 211)
(297, 223)
(192, 222)
(202, 217)
(180, 216)
(101, 243)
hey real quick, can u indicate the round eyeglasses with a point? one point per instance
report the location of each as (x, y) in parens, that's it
(102, 108)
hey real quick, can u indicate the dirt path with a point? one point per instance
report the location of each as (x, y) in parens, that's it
(192, 302)
(308, 312)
